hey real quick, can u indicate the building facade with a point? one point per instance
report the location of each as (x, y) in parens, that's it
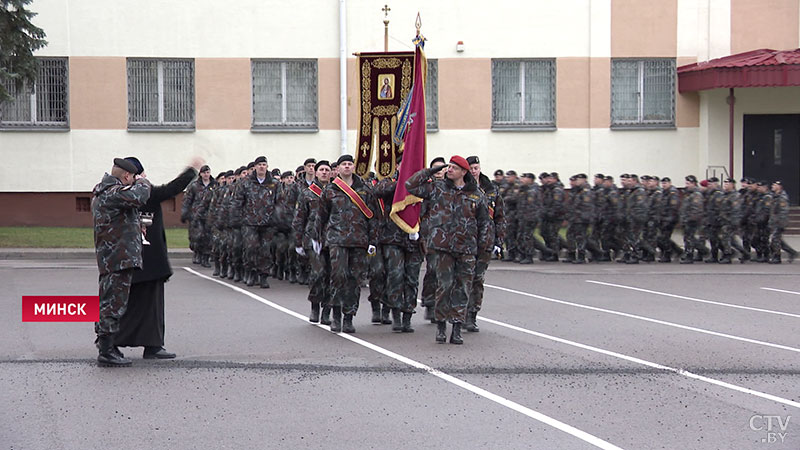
(570, 86)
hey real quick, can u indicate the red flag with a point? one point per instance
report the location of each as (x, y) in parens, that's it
(406, 207)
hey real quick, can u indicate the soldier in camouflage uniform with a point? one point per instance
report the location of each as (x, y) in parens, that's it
(579, 216)
(459, 225)
(762, 210)
(497, 226)
(193, 213)
(553, 210)
(284, 238)
(381, 310)
(748, 195)
(778, 220)
(118, 248)
(509, 192)
(634, 213)
(714, 199)
(611, 219)
(234, 245)
(730, 215)
(429, 281)
(527, 216)
(303, 225)
(653, 224)
(346, 226)
(214, 222)
(302, 183)
(254, 210)
(670, 208)
(595, 241)
(691, 217)
(226, 227)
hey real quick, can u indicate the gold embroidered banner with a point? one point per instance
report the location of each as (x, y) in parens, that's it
(384, 83)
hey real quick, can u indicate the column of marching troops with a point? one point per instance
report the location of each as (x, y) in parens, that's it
(327, 228)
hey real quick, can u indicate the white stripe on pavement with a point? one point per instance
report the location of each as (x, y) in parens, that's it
(591, 439)
(648, 319)
(781, 290)
(729, 305)
(647, 363)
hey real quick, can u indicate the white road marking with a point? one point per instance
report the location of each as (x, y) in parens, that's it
(589, 438)
(729, 305)
(781, 290)
(648, 319)
(647, 363)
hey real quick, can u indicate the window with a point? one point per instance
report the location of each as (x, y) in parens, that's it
(432, 96)
(43, 105)
(285, 95)
(160, 94)
(523, 93)
(643, 93)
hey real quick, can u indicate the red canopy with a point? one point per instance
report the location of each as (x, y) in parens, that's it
(757, 68)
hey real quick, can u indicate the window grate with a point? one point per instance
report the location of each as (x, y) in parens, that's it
(643, 92)
(523, 93)
(432, 96)
(45, 104)
(285, 94)
(160, 93)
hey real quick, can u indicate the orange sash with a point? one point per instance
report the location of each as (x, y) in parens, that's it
(354, 197)
(315, 189)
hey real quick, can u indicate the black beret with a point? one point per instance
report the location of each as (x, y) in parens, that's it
(691, 178)
(511, 173)
(608, 178)
(287, 174)
(205, 168)
(554, 174)
(243, 168)
(599, 175)
(260, 159)
(666, 179)
(438, 159)
(633, 175)
(125, 165)
(221, 174)
(320, 164)
(573, 178)
(498, 172)
(713, 180)
(229, 173)
(135, 161)
(624, 176)
(275, 171)
(344, 158)
(543, 175)
(300, 169)
(763, 183)
(581, 176)
(251, 164)
(473, 160)
(730, 180)
(778, 182)
(238, 171)
(529, 175)
(645, 177)
(653, 177)
(745, 180)
(334, 165)
(309, 161)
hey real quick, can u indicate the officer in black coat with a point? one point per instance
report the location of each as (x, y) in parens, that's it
(142, 325)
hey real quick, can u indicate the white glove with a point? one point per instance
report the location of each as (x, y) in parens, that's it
(413, 236)
(316, 246)
(496, 250)
(371, 250)
(300, 251)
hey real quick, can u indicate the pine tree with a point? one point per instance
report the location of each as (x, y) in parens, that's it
(19, 38)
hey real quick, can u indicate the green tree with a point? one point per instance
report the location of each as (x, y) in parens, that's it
(19, 38)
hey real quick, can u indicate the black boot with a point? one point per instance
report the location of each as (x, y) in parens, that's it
(230, 271)
(526, 260)
(262, 280)
(666, 257)
(687, 259)
(292, 276)
(108, 355)
(726, 259)
(407, 322)
(326, 315)
(157, 352)
(376, 312)
(216, 269)
(252, 277)
(441, 332)
(223, 269)
(336, 324)
(314, 317)
(581, 259)
(279, 274)
(238, 273)
(347, 324)
(206, 261)
(429, 314)
(195, 258)
(385, 319)
(472, 322)
(397, 326)
(455, 335)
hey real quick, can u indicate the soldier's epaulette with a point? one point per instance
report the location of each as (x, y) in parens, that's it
(474, 196)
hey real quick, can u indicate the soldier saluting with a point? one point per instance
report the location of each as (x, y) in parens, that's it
(118, 248)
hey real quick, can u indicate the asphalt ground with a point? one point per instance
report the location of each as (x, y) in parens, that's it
(568, 357)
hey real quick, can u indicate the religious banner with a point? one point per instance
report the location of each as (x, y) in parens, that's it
(385, 81)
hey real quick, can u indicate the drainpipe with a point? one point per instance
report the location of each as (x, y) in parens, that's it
(731, 102)
(343, 76)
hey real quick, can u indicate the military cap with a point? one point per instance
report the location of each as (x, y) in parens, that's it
(251, 164)
(599, 175)
(275, 172)
(745, 180)
(321, 163)
(125, 165)
(704, 183)
(286, 174)
(543, 175)
(713, 180)
(260, 159)
(778, 182)
(221, 174)
(459, 161)
(573, 178)
(135, 161)
(238, 171)
(229, 173)
(473, 160)
(498, 172)
(299, 169)
(634, 176)
(511, 173)
(309, 161)
(438, 159)
(205, 168)
(344, 158)
(334, 164)
(645, 177)
(608, 178)
(691, 178)
(624, 176)
(666, 179)
(582, 176)
(529, 175)
(554, 175)
(730, 180)
(763, 183)
(653, 177)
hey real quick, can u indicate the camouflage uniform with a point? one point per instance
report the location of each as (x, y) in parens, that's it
(254, 207)
(595, 241)
(527, 216)
(714, 200)
(778, 220)
(553, 215)
(429, 280)
(459, 230)
(215, 222)
(761, 214)
(581, 215)
(611, 219)
(347, 232)
(497, 230)
(509, 192)
(653, 224)
(118, 245)
(284, 238)
(747, 229)
(302, 225)
(233, 230)
(670, 207)
(635, 210)
(377, 269)
(691, 217)
(193, 212)
(730, 215)
(302, 264)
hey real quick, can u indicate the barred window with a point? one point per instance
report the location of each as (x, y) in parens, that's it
(432, 96)
(642, 93)
(160, 93)
(285, 95)
(45, 104)
(523, 93)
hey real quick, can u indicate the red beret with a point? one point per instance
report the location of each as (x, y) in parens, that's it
(704, 183)
(460, 162)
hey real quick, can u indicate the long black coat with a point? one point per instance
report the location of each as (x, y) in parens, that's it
(155, 264)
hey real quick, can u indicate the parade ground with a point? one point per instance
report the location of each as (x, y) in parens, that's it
(568, 357)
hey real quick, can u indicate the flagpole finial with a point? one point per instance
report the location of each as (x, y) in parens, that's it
(418, 23)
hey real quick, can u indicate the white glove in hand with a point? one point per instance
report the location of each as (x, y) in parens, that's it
(413, 236)
(316, 246)
(371, 250)
(300, 251)
(496, 250)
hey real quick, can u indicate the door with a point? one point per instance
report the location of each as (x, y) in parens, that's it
(772, 150)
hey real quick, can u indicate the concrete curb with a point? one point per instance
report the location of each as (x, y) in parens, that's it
(71, 253)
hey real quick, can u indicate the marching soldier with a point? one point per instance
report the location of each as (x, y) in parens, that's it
(611, 219)
(509, 193)
(691, 216)
(635, 217)
(529, 211)
(778, 219)
(595, 241)
(282, 218)
(429, 280)
(650, 234)
(553, 208)
(190, 212)
(714, 200)
(214, 222)
(581, 214)
(761, 214)
(670, 209)
(748, 194)
(730, 215)
(460, 217)
(302, 183)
